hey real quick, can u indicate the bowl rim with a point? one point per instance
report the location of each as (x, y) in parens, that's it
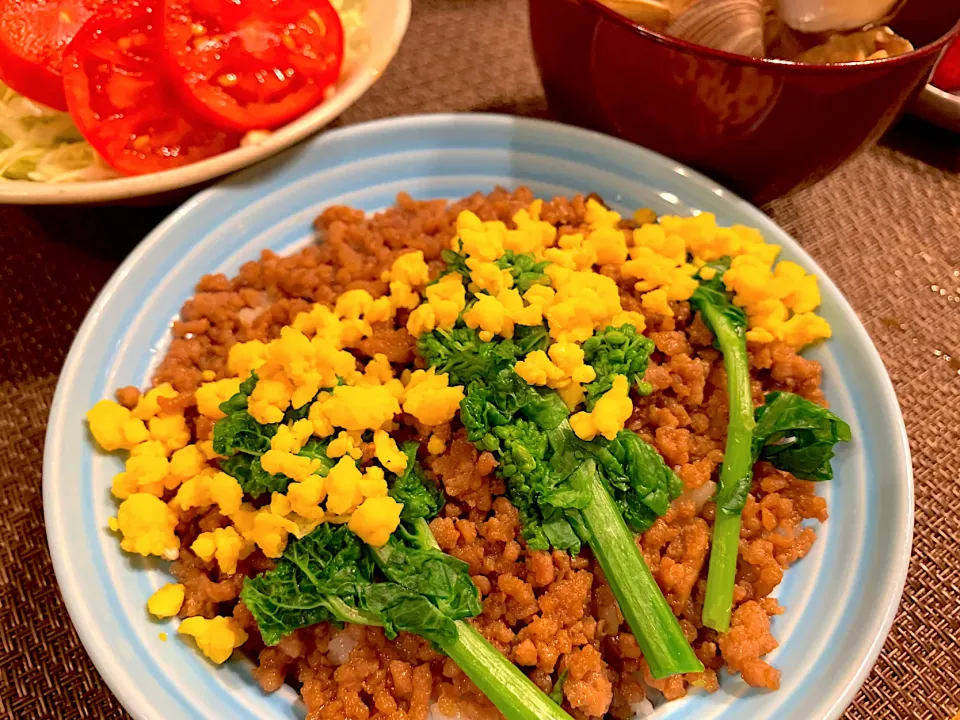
(689, 47)
(366, 73)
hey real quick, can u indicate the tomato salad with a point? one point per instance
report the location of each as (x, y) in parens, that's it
(91, 88)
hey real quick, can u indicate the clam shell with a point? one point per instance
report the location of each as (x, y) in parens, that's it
(649, 13)
(732, 25)
(816, 16)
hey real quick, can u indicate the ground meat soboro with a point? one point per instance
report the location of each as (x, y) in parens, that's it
(547, 612)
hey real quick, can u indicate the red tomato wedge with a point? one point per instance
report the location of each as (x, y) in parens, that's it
(947, 75)
(33, 38)
(252, 64)
(121, 101)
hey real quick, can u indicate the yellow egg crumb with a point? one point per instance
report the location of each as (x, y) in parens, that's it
(211, 394)
(188, 461)
(388, 453)
(166, 601)
(346, 443)
(609, 415)
(224, 544)
(244, 358)
(436, 445)
(373, 483)
(114, 427)
(216, 638)
(358, 408)
(410, 269)
(343, 487)
(305, 497)
(296, 467)
(162, 636)
(169, 429)
(376, 519)
(655, 301)
(430, 399)
(148, 404)
(145, 472)
(210, 488)
(148, 526)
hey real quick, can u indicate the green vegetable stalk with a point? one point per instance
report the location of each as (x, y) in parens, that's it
(499, 679)
(788, 431)
(407, 585)
(568, 491)
(737, 471)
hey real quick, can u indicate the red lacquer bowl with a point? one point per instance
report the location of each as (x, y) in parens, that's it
(761, 127)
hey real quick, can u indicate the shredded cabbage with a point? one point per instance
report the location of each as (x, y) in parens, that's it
(40, 144)
(43, 145)
(356, 37)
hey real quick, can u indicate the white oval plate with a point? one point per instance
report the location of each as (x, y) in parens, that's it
(387, 22)
(840, 600)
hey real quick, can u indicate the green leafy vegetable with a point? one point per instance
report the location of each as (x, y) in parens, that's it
(320, 577)
(617, 351)
(419, 496)
(729, 325)
(637, 477)
(461, 353)
(239, 432)
(242, 440)
(401, 610)
(556, 694)
(254, 480)
(797, 436)
(790, 432)
(524, 268)
(420, 568)
(406, 585)
(552, 479)
(240, 399)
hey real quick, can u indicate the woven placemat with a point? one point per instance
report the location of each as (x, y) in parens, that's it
(885, 227)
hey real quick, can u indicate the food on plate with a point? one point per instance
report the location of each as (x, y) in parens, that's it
(475, 455)
(809, 31)
(123, 102)
(34, 35)
(156, 84)
(947, 75)
(234, 86)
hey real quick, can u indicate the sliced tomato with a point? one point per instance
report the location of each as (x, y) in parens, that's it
(947, 75)
(121, 100)
(252, 64)
(33, 37)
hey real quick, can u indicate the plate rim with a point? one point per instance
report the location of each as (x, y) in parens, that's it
(363, 77)
(59, 547)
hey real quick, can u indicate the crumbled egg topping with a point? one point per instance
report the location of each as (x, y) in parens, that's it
(663, 256)
(217, 638)
(147, 524)
(609, 415)
(224, 544)
(166, 601)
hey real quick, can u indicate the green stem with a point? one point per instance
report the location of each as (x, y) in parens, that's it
(653, 623)
(347, 614)
(499, 679)
(722, 575)
(736, 474)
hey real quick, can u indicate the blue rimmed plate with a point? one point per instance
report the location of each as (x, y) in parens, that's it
(840, 600)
